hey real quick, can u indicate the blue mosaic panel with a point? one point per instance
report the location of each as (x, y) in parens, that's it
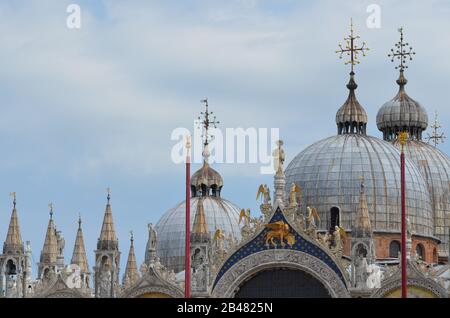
(258, 244)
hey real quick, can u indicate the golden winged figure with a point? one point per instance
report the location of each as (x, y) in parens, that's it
(244, 216)
(342, 232)
(263, 193)
(218, 235)
(281, 231)
(313, 216)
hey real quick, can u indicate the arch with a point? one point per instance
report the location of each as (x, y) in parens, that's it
(154, 292)
(247, 267)
(335, 217)
(420, 251)
(394, 249)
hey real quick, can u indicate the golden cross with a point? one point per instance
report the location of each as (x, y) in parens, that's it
(351, 49)
(401, 53)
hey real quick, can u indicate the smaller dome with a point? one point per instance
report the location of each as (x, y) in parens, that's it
(206, 179)
(351, 118)
(402, 113)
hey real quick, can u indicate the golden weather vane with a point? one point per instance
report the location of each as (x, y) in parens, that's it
(351, 49)
(207, 120)
(402, 51)
(437, 136)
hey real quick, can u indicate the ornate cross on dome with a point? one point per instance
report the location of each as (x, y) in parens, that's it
(351, 48)
(401, 52)
(437, 136)
(207, 122)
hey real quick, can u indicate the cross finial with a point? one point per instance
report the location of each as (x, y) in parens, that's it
(50, 206)
(13, 195)
(351, 49)
(207, 120)
(131, 237)
(108, 197)
(401, 51)
(79, 220)
(362, 179)
(437, 136)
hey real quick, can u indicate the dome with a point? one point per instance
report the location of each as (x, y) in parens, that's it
(204, 179)
(329, 173)
(402, 113)
(435, 168)
(219, 214)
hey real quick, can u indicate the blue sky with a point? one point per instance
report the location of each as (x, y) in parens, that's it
(81, 110)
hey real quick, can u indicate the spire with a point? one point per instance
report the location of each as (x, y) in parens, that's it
(79, 252)
(49, 251)
(200, 226)
(279, 179)
(362, 226)
(13, 243)
(206, 181)
(351, 118)
(108, 238)
(402, 113)
(131, 273)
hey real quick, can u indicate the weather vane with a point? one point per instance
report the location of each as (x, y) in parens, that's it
(207, 120)
(402, 51)
(436, 136)
(351, 49)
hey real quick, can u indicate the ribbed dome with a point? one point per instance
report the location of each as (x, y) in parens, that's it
(351, 117)
(219, 214)
(402, 113)
(435, 168)
(329, 174)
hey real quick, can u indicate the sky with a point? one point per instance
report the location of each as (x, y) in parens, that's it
(86, 109)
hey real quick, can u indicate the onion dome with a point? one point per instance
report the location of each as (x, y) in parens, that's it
(402, 113)
(351, 118)
(206, 180)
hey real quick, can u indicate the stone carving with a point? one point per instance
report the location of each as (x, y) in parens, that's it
(278, 157)
(280, 231)
(276, 258)
(311, 221)
(295, 195)
(361, 271)
(375, 276)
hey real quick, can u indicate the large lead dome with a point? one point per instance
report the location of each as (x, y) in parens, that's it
(329, 173)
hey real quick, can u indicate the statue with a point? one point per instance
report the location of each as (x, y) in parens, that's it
(245, 215)
(105, 283)
(143, 269)
(324, 239)
(152, 237)
(338, 235)
(360, 271)
(295, 195)
(409, 232)
(218, 240)
(311, 220)
(281, 231)
(278, 157)
(264, 193)
(375, 276)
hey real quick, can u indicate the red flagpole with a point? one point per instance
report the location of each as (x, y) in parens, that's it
(403, 251)
(187, 261)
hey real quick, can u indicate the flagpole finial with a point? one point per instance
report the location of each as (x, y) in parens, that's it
(207, 120)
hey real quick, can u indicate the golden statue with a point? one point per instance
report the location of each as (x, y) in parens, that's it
(264, 193)
(295, 195)
(279, 230)
(244, 215)
(313, 217)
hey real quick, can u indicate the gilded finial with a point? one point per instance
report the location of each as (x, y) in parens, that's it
(402, 51)
(79, 220)
(351, 49)
(131, 237)
(13, 195)
(437, 136)
(403, 138)
(207, 120)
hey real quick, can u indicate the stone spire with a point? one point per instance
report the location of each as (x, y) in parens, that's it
(79, 252)
(131, 275)
(13, 243)
(279, 178)
(49, 251)
(362, 226)
(108, 238)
